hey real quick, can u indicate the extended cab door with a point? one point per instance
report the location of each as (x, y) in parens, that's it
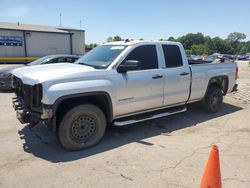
(142, 89)
(177, 75)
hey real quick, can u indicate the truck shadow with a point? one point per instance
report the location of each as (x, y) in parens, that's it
(43, 144)
(7, 91)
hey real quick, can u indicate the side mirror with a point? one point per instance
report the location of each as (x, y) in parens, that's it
(128, 65)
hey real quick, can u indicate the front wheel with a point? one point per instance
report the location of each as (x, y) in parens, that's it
(213, 99)
(81, 127)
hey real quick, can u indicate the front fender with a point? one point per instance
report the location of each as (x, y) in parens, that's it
(56, 91)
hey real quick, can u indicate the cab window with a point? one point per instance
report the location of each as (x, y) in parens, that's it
(172, 55)
(146, 55)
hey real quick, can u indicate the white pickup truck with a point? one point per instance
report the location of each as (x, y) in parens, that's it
(117, 83)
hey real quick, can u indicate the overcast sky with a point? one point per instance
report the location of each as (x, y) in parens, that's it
(134, 19)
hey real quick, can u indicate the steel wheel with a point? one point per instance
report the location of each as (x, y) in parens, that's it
(216, 100)
(83, 128)
(213, 99)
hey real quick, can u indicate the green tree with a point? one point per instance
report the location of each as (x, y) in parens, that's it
(197, 43)
(243, 50)
(171, 39)
(244, 47)
(247, 44)
(236, 37)
(91, 45)
(109, 39)
(190, 39)
(188, 51)
(117, 38)
(218, 45)
(199, 49)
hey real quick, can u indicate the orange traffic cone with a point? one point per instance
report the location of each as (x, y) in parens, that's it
(212, 177)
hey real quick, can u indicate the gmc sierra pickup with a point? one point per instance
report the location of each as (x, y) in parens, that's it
(117, 83)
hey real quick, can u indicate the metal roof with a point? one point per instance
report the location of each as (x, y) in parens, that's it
(68, 28)
(134, 42)
(37, 28)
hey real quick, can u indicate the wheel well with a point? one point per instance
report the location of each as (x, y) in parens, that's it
(220, 82)
(103, 101)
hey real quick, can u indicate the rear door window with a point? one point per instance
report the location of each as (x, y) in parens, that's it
(172, 55)
(146, 54)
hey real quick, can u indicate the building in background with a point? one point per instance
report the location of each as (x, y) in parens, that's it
(25, 40)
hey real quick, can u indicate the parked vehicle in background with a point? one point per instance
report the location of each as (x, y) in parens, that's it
(241, 57)
(5, 73)
(191, 57)
(229, 56)
(208, 59)
(247, 57)
(117, 83)
(195, 57)
(244, 57)
(211, 58)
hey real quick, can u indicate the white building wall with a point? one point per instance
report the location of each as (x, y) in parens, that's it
(40, 44)
(13, 51)
(78, 42)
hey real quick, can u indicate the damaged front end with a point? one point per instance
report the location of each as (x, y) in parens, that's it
(27, 102)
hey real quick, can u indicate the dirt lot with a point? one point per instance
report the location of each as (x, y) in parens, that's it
(168, 152)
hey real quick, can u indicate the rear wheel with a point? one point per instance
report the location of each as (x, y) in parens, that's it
(81, 127)
(213, 99)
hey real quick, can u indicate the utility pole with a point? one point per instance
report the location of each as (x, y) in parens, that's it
(80, 26)
(60, 24)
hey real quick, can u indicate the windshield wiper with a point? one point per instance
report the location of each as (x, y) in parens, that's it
(86, 64)
(94, 66)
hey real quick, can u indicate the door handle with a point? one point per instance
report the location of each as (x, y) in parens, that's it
(157, 76)
(184, 73)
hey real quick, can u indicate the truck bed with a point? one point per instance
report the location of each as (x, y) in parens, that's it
(203, 72)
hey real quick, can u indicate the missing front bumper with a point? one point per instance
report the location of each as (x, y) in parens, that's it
(24, 115)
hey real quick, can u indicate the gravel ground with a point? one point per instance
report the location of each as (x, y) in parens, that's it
(168, 152)
(243, 92)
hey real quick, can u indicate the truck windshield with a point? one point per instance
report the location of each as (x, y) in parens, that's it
(102, 56)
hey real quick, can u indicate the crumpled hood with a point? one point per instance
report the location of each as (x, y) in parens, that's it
(41, 73)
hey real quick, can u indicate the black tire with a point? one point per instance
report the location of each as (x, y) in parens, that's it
(81, 127)
(213, 99)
